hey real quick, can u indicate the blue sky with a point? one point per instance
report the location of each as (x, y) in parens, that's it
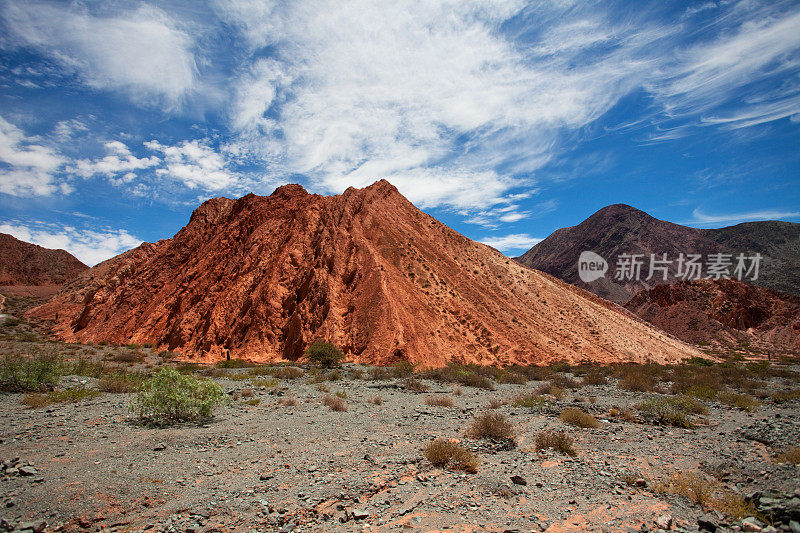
(505, 120)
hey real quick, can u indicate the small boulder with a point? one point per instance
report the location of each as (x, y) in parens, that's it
(518, 480)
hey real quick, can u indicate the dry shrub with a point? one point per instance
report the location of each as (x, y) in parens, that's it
(334, 403)
(622, 413)
(553, 390)
(579, 418)
(692, 486)
(440, 401)
(457, 391)
(287, 372)
(555, 440)
(442, 453)
(564, 382)
(789, 455)
(495, 403)
(512, 377)
(594, 377)
(672, 411)
(248, 393)
(414, 385)
(289, 401)
(379, 373)
(491, 425)
(128, 357)
(637, 382)
(36, 400)
(121, 382)
(786, 396)
(253, 402)
(375, 400)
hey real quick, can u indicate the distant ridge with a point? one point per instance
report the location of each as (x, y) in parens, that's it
(622, 229)
(23, 263)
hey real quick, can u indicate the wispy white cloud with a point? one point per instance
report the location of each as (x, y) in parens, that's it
(701, 218)
(91, 246)
(118, 160)
(29, 166)
(512, 242)
(142, 51)
(195, 164)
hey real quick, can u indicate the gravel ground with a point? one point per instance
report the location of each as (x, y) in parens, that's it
(268, 467)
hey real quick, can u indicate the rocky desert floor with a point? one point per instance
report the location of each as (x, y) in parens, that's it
(276, 458)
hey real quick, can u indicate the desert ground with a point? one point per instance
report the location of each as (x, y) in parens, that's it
(699, 446)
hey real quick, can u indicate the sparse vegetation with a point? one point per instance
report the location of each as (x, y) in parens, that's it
(555, 440)
(414, 385)
(491, 425)
(72, 395)
(495, 403)
(530, 400)
(440, 401)
(30, 374)
(287, 373)
(170, 397)
(289, 401)
(672, 411)
(121, 382)
(742, 401)
(444, 453)
(334, 403)
(578, 418)
(324, 354)
(375, 400)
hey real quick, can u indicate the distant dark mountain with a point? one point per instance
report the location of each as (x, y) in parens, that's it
(23, 263)
(621, 229)
(725, 313)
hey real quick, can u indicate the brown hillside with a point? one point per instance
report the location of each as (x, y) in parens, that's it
(262, 277)
(23, 263)
(724, 312)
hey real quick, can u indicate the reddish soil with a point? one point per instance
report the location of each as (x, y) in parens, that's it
(262, 277)
(724, 312)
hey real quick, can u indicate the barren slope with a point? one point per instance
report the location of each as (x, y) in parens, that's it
(725, 312)
(23, 263)
(262, 277)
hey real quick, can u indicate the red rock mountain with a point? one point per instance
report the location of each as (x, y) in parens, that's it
(622, 229)
(724, 312)
(23, 263)
(262, 277)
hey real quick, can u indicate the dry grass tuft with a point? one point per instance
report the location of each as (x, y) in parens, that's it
(458, 392)
(491, 425)
(334, 403)
(789, 455)
(579, 418)
(442, 453)
(414, 385)
(440, 401)
(287, 373)
(375, 400)
(289, 401)
(622, 413)
(495, 403)
(555, 440)
(553, 390)
(742, 401)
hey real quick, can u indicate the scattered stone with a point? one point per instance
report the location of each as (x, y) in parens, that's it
(518, 480)
(160, 446)
(707, 523)
(664, 521)
(27, 471)
(752, 524)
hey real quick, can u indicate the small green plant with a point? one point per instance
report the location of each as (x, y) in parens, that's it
(578, 418)
(555, 440)
(30, 374)
(266, 383)
(341, 394)
(530, 400)
(324, 354)
(742, 401)
(74, 395)
(672, 411)
(170, 397)
(253, 402)
(87, 368)
(444, 453)
(491, 425)
(321, 377)
(403, 369)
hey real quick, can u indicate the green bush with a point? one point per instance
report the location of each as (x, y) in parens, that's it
(324, 354)
(170, 397)
(30, 374)
(672, 411)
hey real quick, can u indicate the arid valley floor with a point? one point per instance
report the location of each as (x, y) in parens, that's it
(277, 458)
